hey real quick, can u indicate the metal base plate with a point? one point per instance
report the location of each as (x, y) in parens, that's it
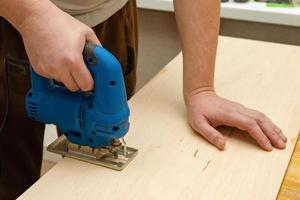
(95, 156)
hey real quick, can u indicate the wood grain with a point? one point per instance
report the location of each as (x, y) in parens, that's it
(290, 188)
(176, 163)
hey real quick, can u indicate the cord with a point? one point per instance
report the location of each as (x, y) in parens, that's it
(6, 88)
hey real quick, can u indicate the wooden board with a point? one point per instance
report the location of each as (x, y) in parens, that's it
(174, 162)
(290, 188)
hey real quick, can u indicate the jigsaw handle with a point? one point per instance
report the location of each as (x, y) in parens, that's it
(109, 86)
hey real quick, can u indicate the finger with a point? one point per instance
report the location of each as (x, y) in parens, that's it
(82, 76)
(54, 75)
(277, 130)
(92, 37)
(45, 74)
(269, 128)
(209, 133)
(274, 136)
(248, 124)
(69, 82)
(262, 117)
(284, 138)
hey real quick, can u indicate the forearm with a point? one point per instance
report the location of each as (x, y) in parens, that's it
(198, 24)
(16, 11)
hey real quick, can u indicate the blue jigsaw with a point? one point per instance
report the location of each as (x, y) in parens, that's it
(93, 123)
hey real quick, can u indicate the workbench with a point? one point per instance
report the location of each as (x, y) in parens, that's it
(174, 162)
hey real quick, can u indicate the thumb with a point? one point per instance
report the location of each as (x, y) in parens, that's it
(209, 133)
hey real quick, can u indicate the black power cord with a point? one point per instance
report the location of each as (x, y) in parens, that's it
(6, 88)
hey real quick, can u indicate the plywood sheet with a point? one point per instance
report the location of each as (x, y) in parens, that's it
(176, 163)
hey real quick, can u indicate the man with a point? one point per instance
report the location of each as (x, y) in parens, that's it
(54, 42)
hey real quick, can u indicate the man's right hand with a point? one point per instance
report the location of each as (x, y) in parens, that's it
(54, 43)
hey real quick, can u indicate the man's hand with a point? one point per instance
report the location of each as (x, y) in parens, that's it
(54, 43)
(206, 111)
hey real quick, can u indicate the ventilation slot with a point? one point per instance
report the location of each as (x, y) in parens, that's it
(81, 118)
(107, 131)
(75, 134)
(32, 109)
(32, 103)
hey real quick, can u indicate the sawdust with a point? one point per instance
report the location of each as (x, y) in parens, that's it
(195, 154)
(205, 167)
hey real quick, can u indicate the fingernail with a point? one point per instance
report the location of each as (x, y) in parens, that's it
(220, 143)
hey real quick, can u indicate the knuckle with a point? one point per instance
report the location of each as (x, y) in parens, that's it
(250, 123)
(53, 69)
(73, 88)
(229, 115)
(276, 129)
(49, 68)
(87, 82)
(260, 116)
(90, 85)
(85, 31)
(263, 141)
(71, 60)
(85, 86)
(276, 138)
(274, 134)
(89, 30)
(39, 70)
(198, 121)
(226, 114)
(48, 72)
(214, 139)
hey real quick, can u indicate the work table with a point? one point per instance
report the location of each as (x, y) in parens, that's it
(176, 163)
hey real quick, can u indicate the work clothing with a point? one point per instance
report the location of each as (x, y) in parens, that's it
(21, 143)
(90, 12)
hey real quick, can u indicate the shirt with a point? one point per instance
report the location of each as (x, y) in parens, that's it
(90, 12)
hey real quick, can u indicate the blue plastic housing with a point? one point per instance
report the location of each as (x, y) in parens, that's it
(86, 118)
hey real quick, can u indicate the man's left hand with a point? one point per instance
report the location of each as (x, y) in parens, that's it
(206, 111)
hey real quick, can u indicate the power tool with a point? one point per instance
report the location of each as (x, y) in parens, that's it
(93, 123)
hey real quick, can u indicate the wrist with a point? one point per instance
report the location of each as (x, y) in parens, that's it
(18, 12)
(38, 13)
(188, 94)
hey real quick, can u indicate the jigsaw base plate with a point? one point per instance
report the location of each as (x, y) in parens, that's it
(97, 156)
